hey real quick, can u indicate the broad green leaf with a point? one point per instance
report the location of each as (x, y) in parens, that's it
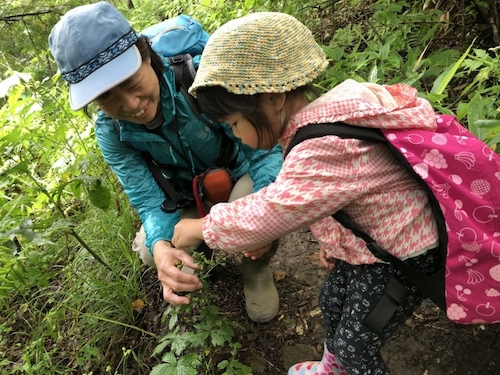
(21, 167)
(493, 125)
(249, 4)
(482, 54)
(184, 366)
(76, 188)
(384, 51)
(435, 98)
(462, 110)
(198, 338)
(173, 320)
(476, 113)
(15, 135)
(100, 196)
(190, 360)
(444, 78)
(413, 78)
(394, 60)
(334, 53)
(11, 245)
(14, 95)
(373, 76)
(160, 348)
(494, 141)
(169, 358)
(179, 343)
(214, 310)
(219, 337)
(223, 364)
(61, 225)
(234, 368)
(164, 369)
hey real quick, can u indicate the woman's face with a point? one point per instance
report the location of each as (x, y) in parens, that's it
(136, 99)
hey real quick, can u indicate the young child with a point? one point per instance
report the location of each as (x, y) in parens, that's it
(254, 75)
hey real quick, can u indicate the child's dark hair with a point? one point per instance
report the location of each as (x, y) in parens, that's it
(218, 103)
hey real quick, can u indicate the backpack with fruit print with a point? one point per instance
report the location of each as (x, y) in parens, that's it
(460, 173)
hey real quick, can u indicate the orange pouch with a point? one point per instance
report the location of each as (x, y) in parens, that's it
(217, 185)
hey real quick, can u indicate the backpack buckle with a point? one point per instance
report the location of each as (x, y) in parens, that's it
(177, 59)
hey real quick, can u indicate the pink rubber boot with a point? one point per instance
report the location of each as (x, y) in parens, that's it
(328, 366)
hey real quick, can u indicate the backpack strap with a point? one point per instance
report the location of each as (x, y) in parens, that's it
(428, 285)
(339, 129)
(174, 199)
(395, 292)
(185, 72)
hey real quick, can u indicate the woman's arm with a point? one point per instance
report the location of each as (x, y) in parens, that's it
(137, 181)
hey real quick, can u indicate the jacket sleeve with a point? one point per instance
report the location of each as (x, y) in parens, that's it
(313, 183)
(263, 165)
(137, 181)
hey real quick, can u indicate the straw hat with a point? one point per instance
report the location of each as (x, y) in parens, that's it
(263, 52)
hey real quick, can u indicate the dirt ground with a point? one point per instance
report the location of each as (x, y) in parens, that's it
(428, 344)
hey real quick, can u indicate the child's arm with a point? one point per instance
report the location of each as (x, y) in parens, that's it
(187, 232)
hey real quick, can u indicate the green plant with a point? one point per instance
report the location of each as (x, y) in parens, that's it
(63, 311)
(195, 341)
(387, 47)
(61, 275)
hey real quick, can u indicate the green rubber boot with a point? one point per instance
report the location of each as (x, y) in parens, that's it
(261, 296)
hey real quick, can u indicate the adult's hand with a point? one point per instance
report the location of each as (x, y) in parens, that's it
(171, 277)
(187, 232)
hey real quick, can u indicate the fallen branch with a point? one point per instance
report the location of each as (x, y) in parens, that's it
(19, 17)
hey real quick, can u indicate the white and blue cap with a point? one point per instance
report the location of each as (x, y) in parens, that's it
(94, 47)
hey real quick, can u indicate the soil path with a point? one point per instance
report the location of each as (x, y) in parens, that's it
(428, 343)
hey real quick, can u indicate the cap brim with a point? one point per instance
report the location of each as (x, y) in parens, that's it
(105, 78)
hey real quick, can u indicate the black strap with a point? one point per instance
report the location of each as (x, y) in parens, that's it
(185, 72)
(395, 293)
(339, 129)
(173, 195)
(371, 244)
(162, 180)
(432, 286)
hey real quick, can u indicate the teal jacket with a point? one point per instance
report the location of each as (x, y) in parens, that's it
(200, 144)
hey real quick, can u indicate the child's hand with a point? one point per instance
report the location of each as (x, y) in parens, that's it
(257, 253)
(327, 262)
(187, 232)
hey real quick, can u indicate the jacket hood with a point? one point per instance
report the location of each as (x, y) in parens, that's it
(366, 104)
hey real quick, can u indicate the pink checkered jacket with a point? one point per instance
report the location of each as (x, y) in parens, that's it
(322, 175)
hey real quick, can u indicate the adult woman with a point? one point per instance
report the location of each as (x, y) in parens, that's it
(106, 62)
(261, 91)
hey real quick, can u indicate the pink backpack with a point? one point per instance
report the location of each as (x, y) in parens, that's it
(460, 173)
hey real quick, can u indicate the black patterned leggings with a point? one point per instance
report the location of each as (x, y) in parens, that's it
(347, 297)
